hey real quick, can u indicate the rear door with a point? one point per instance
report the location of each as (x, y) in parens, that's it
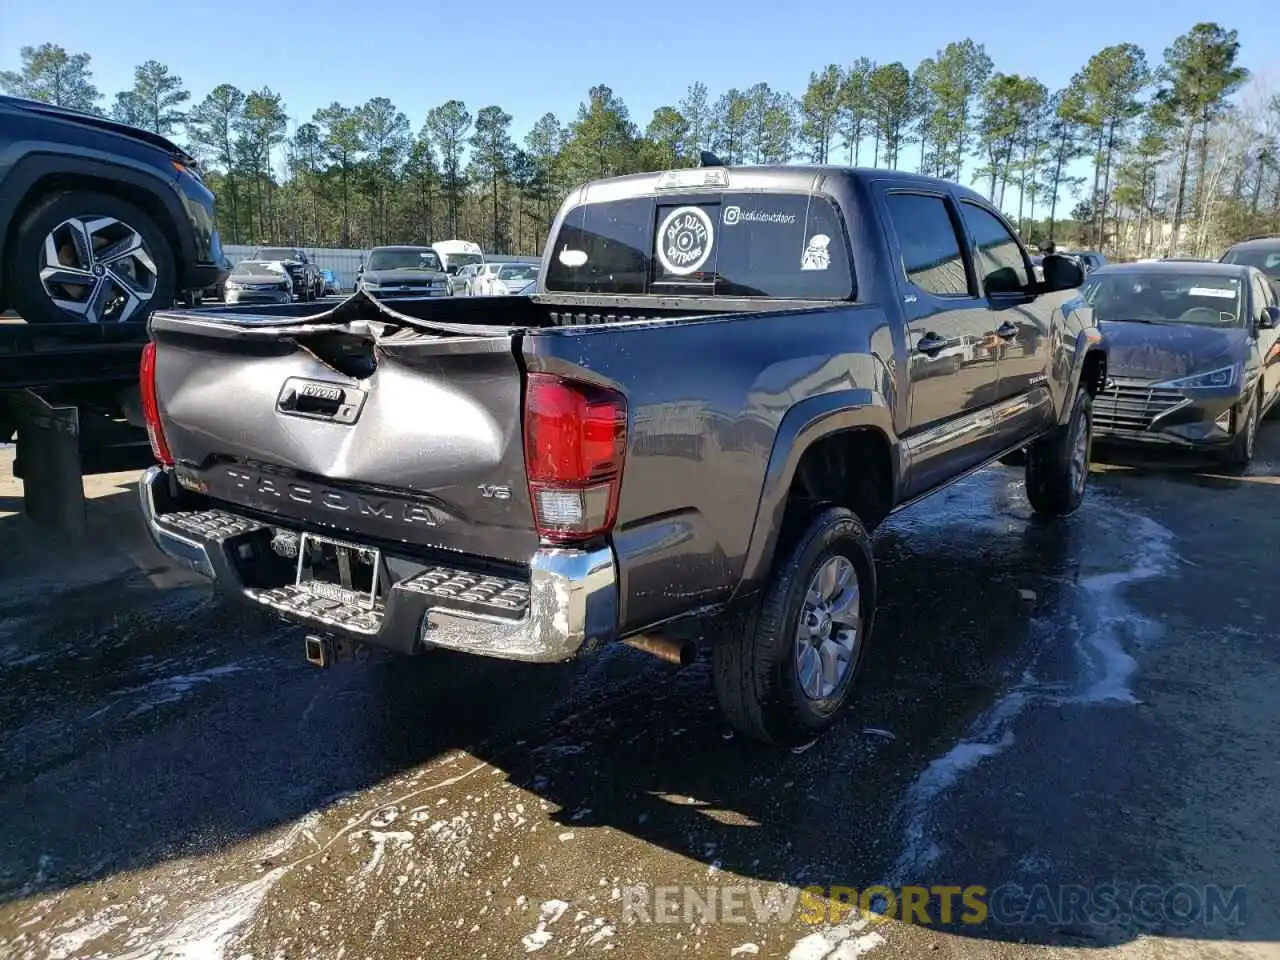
(953, 373)
(1020, 322)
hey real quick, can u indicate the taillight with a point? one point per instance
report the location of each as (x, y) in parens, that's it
(151, 408)
(575, 437)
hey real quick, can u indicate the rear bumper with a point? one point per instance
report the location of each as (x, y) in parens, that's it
(567, 606)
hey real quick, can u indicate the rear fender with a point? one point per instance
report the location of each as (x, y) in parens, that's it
(803, 425)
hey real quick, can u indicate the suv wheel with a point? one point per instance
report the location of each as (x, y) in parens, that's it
(89, 257)
(1058, 464)
(784, 671)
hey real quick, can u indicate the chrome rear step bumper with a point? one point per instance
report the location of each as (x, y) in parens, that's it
(568, 605)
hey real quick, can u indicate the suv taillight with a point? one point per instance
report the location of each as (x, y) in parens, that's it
(151, 407)
(575, 438)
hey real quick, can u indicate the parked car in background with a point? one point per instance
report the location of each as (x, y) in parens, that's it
(1192, 354)
(403, 271)
(332, 287)
(456, 254)
(307, 284)
(1263, 253)
(527, 478)
(217, 289)
(259, 281)
(504, 278)
(100, 222)
(460, 282)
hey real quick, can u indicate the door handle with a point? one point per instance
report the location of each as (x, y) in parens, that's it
(930, 343)
(1006, 331)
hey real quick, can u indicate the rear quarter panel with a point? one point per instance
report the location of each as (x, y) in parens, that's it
(707, 400)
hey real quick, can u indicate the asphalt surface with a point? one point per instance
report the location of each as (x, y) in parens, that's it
(1049, 706)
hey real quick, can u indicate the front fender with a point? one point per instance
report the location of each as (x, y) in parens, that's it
(1088, 341)
(803, 425)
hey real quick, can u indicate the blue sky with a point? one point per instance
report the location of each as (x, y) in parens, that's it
(534, 57)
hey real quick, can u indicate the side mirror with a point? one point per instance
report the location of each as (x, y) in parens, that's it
(1060, 273)
(1270, 318)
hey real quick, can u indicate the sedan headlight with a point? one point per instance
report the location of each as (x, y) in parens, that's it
(370, 285)
(232, 285)
(1218, 379)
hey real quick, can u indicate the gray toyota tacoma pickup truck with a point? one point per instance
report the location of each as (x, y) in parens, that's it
(726, 379)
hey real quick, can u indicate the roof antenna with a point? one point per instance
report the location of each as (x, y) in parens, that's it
(708, 159)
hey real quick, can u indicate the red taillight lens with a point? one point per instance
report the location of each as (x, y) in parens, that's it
(575, 438)
(151, 408)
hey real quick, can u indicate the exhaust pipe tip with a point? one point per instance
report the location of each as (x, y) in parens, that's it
(681, 653)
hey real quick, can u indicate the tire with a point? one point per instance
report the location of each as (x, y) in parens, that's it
(756, 659)
(1240, 453)
(1058, 464)
(54, 215)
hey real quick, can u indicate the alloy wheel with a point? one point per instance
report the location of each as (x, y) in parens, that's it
(98, 268)
(829, 630)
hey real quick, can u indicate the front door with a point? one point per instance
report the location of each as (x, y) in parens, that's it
(952, 372)
(1021, 323)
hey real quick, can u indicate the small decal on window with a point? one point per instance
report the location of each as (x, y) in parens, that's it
(572, 258)
(817, 255)
(735, 215)
(1220, 293)
(684, 240)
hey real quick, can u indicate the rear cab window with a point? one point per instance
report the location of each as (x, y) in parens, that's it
(769, 245)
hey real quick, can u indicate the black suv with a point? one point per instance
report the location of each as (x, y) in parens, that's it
(100, 222)
(308, 284)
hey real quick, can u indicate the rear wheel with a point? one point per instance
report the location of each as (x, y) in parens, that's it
(1058, 464)
(89, 257)
(784, 670)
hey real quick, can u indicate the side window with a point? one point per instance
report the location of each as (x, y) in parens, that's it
(999, 257)
(931, 253)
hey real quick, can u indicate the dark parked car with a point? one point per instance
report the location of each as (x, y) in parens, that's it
(1192, 354)
(253, 281)
(217, 289)
(403, 271)
(307, 284)
(721, 387)
(100, 222)
(1263, 253)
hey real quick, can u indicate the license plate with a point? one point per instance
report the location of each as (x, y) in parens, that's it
(342, 571)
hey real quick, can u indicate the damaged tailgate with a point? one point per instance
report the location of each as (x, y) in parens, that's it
(359, 421)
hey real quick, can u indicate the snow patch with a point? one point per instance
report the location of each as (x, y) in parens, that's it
(841, 942)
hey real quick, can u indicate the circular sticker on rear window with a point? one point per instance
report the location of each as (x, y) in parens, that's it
(684, 240)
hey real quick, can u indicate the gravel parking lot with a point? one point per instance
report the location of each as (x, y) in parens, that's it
(1073, 705)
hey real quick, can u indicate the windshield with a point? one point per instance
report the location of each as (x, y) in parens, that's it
(1268, 261)
(1193, 298)
(277, 253)
(403, 260)
(249, 267)
(517, 273)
